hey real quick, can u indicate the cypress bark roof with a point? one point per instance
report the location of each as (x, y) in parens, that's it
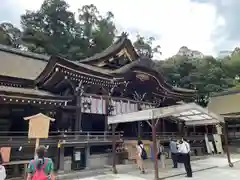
(21, 64)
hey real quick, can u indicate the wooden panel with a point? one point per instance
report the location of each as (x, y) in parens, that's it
(38, 128)
(5, 152)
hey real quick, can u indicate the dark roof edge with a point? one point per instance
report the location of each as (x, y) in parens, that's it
(23, 53)
(122, 39)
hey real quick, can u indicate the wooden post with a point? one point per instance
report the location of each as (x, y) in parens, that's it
(78, 94)
(36, 146)
(154, 139)
(114, 169)
(163, 126)
(153, 125)
(139, 129)
(78, 122)
(206, 129)
(225, 134)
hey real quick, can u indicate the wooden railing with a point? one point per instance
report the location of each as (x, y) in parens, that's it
(17, 138)
(21, 138)
(168, 135)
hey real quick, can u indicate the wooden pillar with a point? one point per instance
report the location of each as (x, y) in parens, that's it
(106, 115)
(163, 126)
(180, 129)
(78, 94)
(225, 134)
(154, 139)
(87, 156)
(139, 128)
(185, 129)
(78, 121)
(182, 134)
(194, 129)
(159, 127)
(114, 169)
(139, 123)
(61, 158)
(206, 129)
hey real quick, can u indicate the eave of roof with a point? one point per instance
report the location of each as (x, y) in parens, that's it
(141, 63)
(23, 53)
(226, 92)
(26, 91)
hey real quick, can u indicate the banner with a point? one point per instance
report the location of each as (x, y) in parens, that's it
(209, 151)
(218, 143)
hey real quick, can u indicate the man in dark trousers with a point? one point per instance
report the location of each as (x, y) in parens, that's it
(184, 149)
(174, 151)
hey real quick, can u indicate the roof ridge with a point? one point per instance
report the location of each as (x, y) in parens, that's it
(115, 45)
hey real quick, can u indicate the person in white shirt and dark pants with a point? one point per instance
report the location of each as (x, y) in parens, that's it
(184, 149)
(174, 151)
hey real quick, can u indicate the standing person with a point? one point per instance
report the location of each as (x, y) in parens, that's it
(141, 155)
(162, 155)
(2, 169)
(40, 168)
(184, 150)
(173, 151)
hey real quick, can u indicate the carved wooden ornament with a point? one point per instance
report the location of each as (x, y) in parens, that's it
(38, 126)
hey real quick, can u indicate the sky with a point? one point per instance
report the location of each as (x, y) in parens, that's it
(208, 26)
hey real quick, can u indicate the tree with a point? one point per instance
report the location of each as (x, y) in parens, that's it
(10, 35)
(232, 63)
(50, 29)
(97, 31)
(206, 75)
(53, 30)
(145, 47)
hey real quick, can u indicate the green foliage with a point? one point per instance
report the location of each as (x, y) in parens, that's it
(10, 35)
(205, 75)
(54, 30)
(145, 47)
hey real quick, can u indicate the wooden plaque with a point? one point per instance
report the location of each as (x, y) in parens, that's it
(38, 126)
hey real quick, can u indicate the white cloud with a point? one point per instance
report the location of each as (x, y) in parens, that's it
(177, 23)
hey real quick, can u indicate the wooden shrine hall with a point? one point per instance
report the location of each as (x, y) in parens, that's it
(80, 95)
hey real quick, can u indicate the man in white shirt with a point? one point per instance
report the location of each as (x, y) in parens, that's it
(184, 149)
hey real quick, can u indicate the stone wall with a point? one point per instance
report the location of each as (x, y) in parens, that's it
(99, 160)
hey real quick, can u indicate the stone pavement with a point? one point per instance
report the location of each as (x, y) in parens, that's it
(122, 169)
(221, 173)
(205, 169)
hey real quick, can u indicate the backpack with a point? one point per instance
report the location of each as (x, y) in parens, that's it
(39, 174)
(144, 153)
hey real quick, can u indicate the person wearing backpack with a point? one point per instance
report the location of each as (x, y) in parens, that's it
(2, 169)
(40, 168)
(141, 155)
